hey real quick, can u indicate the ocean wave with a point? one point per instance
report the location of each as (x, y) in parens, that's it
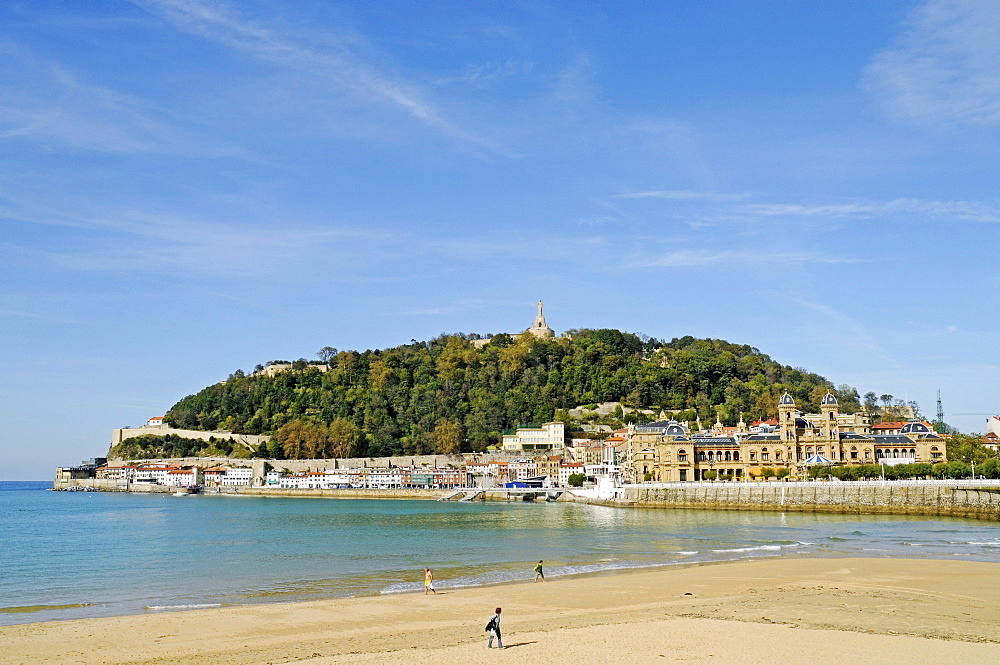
(193, 606)
(761, 548)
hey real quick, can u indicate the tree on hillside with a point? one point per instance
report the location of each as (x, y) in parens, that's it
(327, 354)
(448, 438)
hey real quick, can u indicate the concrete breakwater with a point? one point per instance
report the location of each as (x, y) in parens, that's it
(954, 499)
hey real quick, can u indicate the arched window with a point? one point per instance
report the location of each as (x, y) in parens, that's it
(913, 453)
(701, 455)
(711, 456)
(728, 458)
(777, 454)
(682, 455)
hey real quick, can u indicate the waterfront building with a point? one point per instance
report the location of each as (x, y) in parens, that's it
(548, 465)
(520, 469)
(567, 469)
(154, 473)
(666, 451)
(183, 477)
(229, 476)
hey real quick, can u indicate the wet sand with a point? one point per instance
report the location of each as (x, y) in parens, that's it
(811, 611)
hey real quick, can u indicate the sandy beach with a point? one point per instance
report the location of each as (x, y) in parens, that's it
(814, 611)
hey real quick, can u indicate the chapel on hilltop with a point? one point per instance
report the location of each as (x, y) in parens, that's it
(539, 329)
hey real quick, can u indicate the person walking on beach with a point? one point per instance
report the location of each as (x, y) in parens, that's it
(493, 627)
(538, 571)
(428, 581)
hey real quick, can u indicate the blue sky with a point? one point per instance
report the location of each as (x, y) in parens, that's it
(191, 187)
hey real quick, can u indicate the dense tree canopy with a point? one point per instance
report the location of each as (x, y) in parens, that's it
(155, 446)
(447, 395)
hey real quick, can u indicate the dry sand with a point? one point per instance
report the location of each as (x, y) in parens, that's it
(789, 611)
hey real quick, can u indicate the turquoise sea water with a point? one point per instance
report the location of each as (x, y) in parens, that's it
(82, 554)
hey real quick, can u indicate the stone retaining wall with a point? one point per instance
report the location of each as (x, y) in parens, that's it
(888, 498)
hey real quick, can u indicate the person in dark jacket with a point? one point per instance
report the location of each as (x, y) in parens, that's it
(495, 631)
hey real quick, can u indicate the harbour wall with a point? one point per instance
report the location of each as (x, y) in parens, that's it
(976, 499)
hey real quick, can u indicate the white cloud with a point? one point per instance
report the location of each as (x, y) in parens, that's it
(943, 67)
(702, 258)
(326, 56)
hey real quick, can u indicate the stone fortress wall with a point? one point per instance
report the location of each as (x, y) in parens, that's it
(249, 440)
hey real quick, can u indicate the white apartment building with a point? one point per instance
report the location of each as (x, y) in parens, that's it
(181, 477)
(567, 469)
(241, 477)
(547, 438)
(152, 473)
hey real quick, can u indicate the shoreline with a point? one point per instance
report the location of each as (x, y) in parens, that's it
(943, 498)
(899, 609)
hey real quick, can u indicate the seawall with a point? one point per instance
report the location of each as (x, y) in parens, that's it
(979, 500)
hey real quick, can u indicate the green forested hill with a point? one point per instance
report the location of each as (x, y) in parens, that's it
(445, 395)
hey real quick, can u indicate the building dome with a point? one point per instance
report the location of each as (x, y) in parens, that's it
(915, 427)
(828, 399)
(674, 429)
(786, 399)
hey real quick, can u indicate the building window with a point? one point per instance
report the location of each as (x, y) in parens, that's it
(684, 475)
(736, 456)
(777, 455)
(753, 457)
(682, 458)
(764, 456)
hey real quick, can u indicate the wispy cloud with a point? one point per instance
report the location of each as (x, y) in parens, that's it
(705, 258)
(943, 67)
(962, 210)
(46, 102)
(326, 56)
(681, 195)
(723, 206)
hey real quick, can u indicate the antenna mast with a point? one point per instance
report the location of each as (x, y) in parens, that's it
(939, 425)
